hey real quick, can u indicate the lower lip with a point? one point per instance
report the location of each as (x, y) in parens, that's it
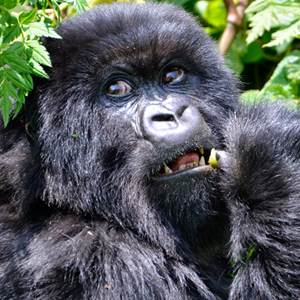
(179, 176)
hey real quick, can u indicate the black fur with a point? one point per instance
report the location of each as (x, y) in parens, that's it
(82, 216)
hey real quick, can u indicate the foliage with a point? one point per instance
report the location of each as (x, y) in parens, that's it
(21, 53)
(268, 14)
(262, 53)
(285, 80)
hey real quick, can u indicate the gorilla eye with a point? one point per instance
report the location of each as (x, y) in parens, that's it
(172, 76)
(118, 88)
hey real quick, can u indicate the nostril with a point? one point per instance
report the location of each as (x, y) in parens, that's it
(163, 118)
(181, 110)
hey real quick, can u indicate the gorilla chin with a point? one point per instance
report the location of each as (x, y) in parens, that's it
(110, 187)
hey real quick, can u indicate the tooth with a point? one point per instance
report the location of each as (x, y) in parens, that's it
(202, 161)
(188, 165)
(167, 169)
(201, 150)
(181, 167)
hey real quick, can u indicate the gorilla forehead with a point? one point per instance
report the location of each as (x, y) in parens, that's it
(144, 35)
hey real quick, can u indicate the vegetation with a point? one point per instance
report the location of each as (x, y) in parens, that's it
(265, 52)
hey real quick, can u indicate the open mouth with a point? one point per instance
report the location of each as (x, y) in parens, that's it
(200, 158)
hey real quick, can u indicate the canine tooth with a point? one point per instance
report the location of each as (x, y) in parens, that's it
(202, 161)
(167, 169)
(201, 150)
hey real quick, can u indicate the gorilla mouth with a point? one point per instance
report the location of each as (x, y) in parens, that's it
(201, 159)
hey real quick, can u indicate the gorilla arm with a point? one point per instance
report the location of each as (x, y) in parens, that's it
(262, 189)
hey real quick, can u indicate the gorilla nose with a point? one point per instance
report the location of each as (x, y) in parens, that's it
(172, 122)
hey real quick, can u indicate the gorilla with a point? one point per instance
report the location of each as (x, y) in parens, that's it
(107, 187)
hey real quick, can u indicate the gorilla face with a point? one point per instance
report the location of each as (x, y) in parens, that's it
(127, 120)
(135, 104)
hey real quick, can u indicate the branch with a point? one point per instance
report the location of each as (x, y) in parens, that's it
(235, 16)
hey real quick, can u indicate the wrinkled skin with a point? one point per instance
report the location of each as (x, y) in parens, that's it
(89, 207)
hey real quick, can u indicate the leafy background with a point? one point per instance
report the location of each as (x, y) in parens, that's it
(265, 52)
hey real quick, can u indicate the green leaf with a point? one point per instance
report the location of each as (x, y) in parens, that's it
(18, 108)
(284, 6)
(27, 16)
(12, 91)
(250, 96)
(5, 101)
(280, 83)
(40, 29)
(8, 4)
(15, 61)
(17, 79)
(4, 17)
(257, 6)
(263, 20)
(270, 14)
(22, 93)
(57, 9)
(287, 34)
(11, 33)
(28, 80)
(37, 69)
(80, 5)
(39, 52)
(17, 47)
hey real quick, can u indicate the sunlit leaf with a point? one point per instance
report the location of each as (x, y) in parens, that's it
(40, 29)
(26, 17)
(39, 52)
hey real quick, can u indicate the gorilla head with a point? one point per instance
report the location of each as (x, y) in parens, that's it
(130, 101)
(117, 139)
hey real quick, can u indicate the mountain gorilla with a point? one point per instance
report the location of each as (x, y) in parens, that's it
(107, 190)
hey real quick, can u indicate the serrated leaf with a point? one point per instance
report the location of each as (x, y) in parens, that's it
(39, 52)
(40, 29)
(262, 21)
(14, 61)
(12, 92)
(18, 108)
(260, 5)
(270, 14)
(80, 5)
(27, 16)
(287, 34)
(11, 33)
(5, 101)
(28, 79)
(37, 69)
(256, 6)
(22, 93)
(17, 79)
(280, 79)
(4, 17)
(5, 112)
(17, 47)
